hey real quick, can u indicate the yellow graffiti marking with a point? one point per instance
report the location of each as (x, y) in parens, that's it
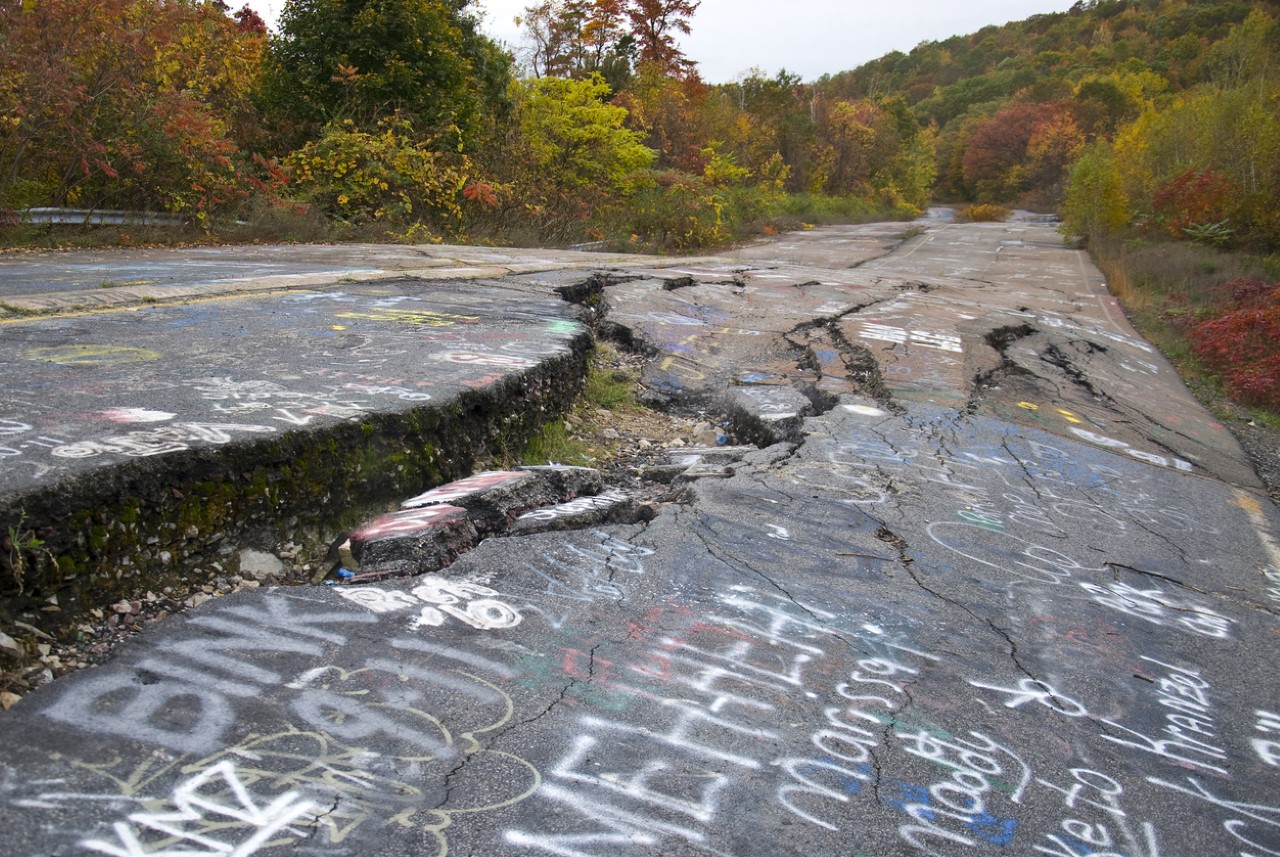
(92, 355)
(682, 368)
(1069, 416)
(1251, 506)
(136, 782)
(337, 327)
(425, 318)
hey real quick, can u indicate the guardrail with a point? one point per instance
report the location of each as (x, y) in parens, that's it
(99, 217)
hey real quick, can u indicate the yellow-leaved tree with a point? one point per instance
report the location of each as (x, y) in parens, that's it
(568, 156)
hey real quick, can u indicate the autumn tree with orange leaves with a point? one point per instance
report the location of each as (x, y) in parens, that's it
(577, 38)
(125, 103)
(655, 25)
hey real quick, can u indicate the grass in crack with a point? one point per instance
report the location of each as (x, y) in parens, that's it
(579, 439)
(607, 388)
(20, 542)
(554, 444)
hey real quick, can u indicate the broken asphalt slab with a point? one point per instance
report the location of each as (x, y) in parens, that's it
(150, 443)
(991, 318)
(924, 618)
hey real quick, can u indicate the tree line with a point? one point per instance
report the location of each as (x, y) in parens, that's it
(402, 113)
(1158, 115)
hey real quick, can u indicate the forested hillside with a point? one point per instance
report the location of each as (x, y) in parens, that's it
(1162, 113)
(402, 116)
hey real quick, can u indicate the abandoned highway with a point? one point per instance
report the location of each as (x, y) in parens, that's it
(971, 573)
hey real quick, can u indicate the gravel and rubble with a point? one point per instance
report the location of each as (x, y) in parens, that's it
(43, 657)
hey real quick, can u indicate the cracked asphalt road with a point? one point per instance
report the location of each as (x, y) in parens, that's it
(992, 583)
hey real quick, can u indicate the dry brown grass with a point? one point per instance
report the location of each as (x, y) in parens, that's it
(983, 212)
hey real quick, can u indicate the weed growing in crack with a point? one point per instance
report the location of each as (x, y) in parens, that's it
(21, 541)
(554, 444)
(606, 391)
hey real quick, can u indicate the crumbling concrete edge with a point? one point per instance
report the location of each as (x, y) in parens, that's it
(166, 520)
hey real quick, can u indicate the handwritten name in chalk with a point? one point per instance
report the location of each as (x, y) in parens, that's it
(1187, 722)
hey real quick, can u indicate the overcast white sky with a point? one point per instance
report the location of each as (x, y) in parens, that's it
(807, 37)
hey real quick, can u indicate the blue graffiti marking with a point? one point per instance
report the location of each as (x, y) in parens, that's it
(984, 825)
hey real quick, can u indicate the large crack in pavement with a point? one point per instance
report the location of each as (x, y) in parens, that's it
(1056, 356)
(1000, 340)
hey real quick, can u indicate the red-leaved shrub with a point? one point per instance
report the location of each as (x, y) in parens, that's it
(1194, 198)
(1242, 341)
(1238, 294)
